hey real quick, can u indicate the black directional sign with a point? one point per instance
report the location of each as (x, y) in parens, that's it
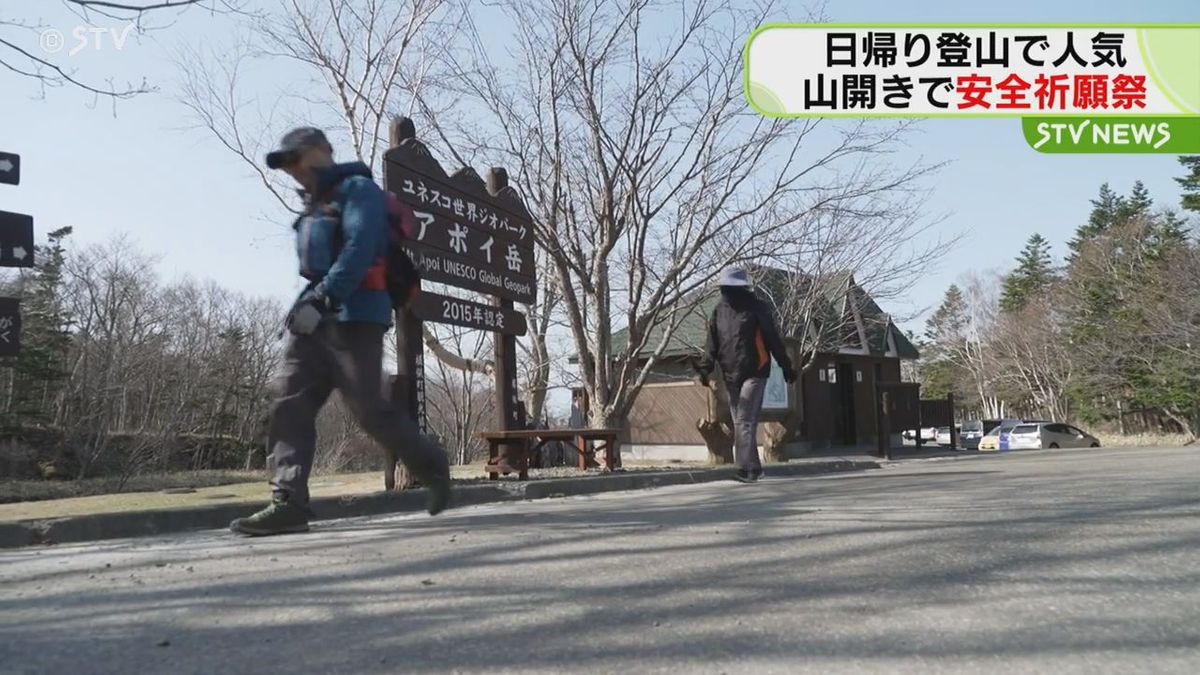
(10, 326)
(456, 311)
(10, 168)
(16, 240)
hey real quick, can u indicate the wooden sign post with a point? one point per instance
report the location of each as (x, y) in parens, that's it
(473, 235)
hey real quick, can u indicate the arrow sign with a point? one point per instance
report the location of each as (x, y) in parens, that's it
(10, 326)
(16, 240)
(10, 168)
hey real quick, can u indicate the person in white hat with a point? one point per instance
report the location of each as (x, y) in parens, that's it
(742, 338)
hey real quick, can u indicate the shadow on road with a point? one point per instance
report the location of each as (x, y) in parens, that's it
(652, 574)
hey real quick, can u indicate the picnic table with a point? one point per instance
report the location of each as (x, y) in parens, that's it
(509, 451)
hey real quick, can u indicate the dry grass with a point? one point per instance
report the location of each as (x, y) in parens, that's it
(37, 490)
(198, 488)
(207, 488)
(1143, 440)
(12, 491)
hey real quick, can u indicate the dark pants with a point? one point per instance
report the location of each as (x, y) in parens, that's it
(745, 404)
(348, 357)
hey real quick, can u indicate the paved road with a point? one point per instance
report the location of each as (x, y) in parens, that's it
(1055, 562)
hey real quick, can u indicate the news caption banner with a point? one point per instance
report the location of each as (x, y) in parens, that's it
(1077, 88)
(16, 250)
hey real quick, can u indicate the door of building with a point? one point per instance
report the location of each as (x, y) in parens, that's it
(846, 412)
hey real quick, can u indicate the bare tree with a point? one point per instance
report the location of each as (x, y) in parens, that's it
(716, 427)
(113, 302)
(363, 58)
(959, 333)
(643, 167)
(357, 62)
(1034, 356)
(157, 373)
(537, 356)
(460, 402)
(28, 47)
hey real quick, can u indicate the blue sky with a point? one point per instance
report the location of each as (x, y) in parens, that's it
(198, 210)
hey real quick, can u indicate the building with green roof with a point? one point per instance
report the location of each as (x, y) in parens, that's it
(847, 341)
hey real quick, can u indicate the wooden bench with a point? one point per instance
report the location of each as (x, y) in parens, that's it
(509, 451)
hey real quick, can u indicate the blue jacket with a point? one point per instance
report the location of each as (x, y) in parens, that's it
(343, 243)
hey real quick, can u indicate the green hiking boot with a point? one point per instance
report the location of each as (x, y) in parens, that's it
(439, 493)
(279, 517)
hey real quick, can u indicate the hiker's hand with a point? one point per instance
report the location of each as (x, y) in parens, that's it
(790, 375)
(307, 313)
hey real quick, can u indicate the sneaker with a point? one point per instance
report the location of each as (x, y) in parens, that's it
(756, 476)
(439, 494)
(743, 476)
(279, 517)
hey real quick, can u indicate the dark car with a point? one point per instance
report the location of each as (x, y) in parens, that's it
(973, 431)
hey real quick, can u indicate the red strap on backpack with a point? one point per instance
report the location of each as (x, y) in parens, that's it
(400, 214)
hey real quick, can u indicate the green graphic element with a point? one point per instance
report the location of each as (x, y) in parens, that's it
(763, 99)
(1113, 134)
(1170, 58)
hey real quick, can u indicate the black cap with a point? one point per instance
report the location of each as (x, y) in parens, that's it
(293, 142)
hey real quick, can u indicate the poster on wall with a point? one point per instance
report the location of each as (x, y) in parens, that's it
(776, 395)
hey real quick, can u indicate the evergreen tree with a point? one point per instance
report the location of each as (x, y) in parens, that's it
(1168, 234)
(948, 320)
(1137, 204)
(40, 369)
(1190, 183)
(1032, 277)
(1106, 211)
(943, 369)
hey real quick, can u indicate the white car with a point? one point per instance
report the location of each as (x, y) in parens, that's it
(943, 437)
(928, 435)
(1042, 435)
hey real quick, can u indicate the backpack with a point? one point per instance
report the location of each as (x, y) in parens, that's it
(401, 278)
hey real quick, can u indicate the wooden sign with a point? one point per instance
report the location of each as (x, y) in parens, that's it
(473, 235)
(462, 272)
(456, 311)
(466, 237)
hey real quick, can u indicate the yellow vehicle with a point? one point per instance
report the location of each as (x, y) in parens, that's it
(990, 441)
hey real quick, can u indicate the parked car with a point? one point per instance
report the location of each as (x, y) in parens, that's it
(928, 435)
(997, 438)
(990, 441)
(1041, 435)
(943, 435)
(972, 432)
(1006, 433)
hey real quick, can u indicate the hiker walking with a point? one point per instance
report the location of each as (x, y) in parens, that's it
(742, 338)
(336, 330)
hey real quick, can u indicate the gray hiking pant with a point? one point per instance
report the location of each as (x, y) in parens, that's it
(348, 357)
(745, 404)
